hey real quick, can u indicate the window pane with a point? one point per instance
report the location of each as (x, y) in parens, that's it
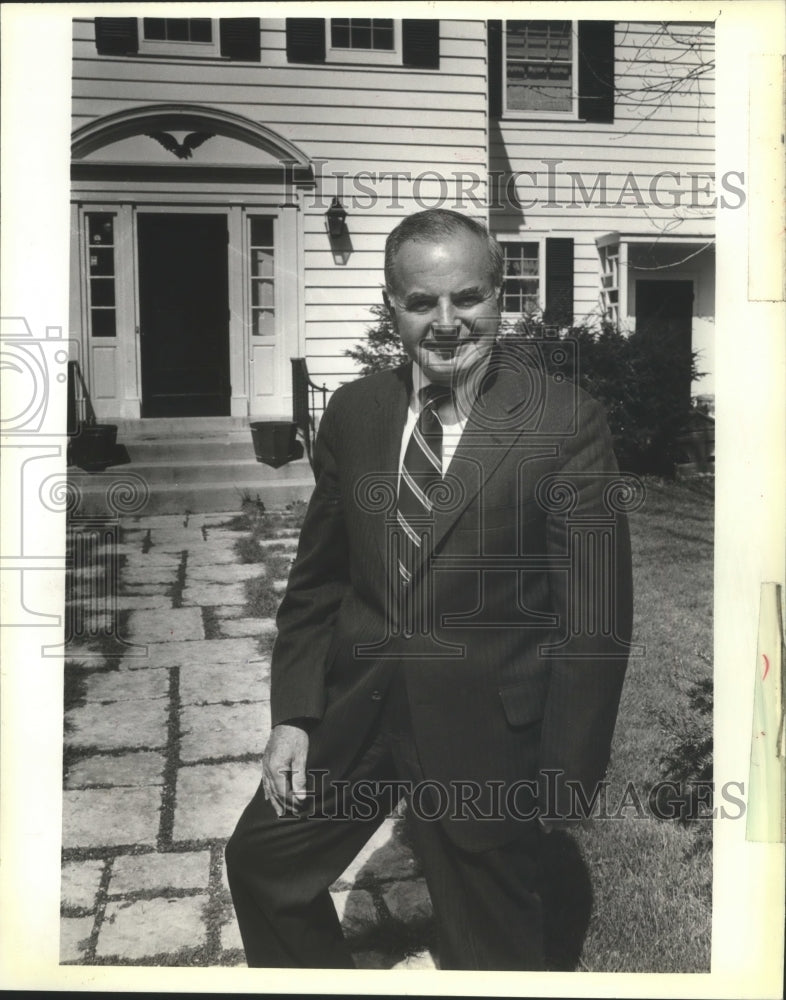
(263, 323)
(262, 232)
(382, 35)
(539, 87)
(102, 261)
(102, 291)
(262, 293)
(177, 29)
(102, 322)
(360, 35)
(99, 228)
(339, 34)
(201, 29)
(154, 27)
(262, 263)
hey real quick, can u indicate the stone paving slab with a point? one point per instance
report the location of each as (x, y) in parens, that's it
(199, 650)
(148, 576)
(211, 797)
(122, 685)
(224, 573)
(160, 590)
(147, 927)
(148, 872)
(230, 937)
(79, 883)
(103, 817)
(166, 625)
(208, 594)
(128, 770)
(211, 555)
(75, 937)
(155, 562)
(234, 627)
(133, 723)
(206, 681)
(213, 731)
(144, 602)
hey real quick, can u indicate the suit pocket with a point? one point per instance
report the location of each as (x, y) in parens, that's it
(524, 701)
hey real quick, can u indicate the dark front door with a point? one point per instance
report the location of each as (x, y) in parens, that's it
(184, 315)
(664, 311)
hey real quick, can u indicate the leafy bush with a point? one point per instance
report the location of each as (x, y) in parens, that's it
(643, 380)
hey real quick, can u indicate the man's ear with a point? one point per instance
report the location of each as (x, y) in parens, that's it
(388, 305)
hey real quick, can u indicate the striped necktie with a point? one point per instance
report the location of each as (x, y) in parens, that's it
(421, 471)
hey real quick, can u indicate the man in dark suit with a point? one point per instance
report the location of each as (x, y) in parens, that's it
(455, 628)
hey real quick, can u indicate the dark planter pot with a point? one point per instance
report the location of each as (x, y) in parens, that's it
(93, 448)
(275, 442)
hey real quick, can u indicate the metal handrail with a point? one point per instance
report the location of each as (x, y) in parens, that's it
(80, 407)
(304, 395)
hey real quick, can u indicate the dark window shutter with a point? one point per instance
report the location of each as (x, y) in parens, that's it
(240, 38)
(420, 43)
(116, 36)
(306, 39)
(495, 68)
(596, 71)
(559, 282)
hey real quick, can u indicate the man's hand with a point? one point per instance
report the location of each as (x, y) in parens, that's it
(284, 768)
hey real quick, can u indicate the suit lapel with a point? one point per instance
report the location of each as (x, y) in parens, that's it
(387, 425)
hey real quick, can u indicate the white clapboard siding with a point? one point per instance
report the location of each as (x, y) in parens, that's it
(353, 121)
(663, 121)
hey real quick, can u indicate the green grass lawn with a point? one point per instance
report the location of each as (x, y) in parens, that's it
(629, 894)
(652, 878)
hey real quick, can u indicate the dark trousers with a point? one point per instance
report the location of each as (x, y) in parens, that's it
(487, 908)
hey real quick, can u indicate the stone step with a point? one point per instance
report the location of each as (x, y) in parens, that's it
(169, 427)
(176, 470)
(192, 449)
(196, 498)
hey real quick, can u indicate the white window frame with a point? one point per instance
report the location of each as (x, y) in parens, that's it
(573, 114)
(365, 57)
(166, 47)
(502, 239)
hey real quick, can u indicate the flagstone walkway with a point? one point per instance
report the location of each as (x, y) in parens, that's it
(166, 718)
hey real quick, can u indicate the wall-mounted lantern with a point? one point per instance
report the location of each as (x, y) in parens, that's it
(336, 216)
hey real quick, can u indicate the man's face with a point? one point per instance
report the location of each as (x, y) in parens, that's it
(444, 305)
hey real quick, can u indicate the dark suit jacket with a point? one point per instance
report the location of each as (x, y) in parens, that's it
(522, 667)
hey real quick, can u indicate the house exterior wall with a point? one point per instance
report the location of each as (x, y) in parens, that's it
(647, 173)
(388, 140)
(354, 123)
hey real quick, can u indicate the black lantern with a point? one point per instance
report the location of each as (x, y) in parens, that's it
(335, 216)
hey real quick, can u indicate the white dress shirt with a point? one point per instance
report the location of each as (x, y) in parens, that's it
(453, 423)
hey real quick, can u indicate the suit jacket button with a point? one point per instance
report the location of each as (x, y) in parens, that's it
(376, 696)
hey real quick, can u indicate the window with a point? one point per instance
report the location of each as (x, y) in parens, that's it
(101, 272)
(521, 288)
(193, 37)
(411, 43)
(263, 297)
(363, 40)
(539, 71)
(178, 36)
(362, 33)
